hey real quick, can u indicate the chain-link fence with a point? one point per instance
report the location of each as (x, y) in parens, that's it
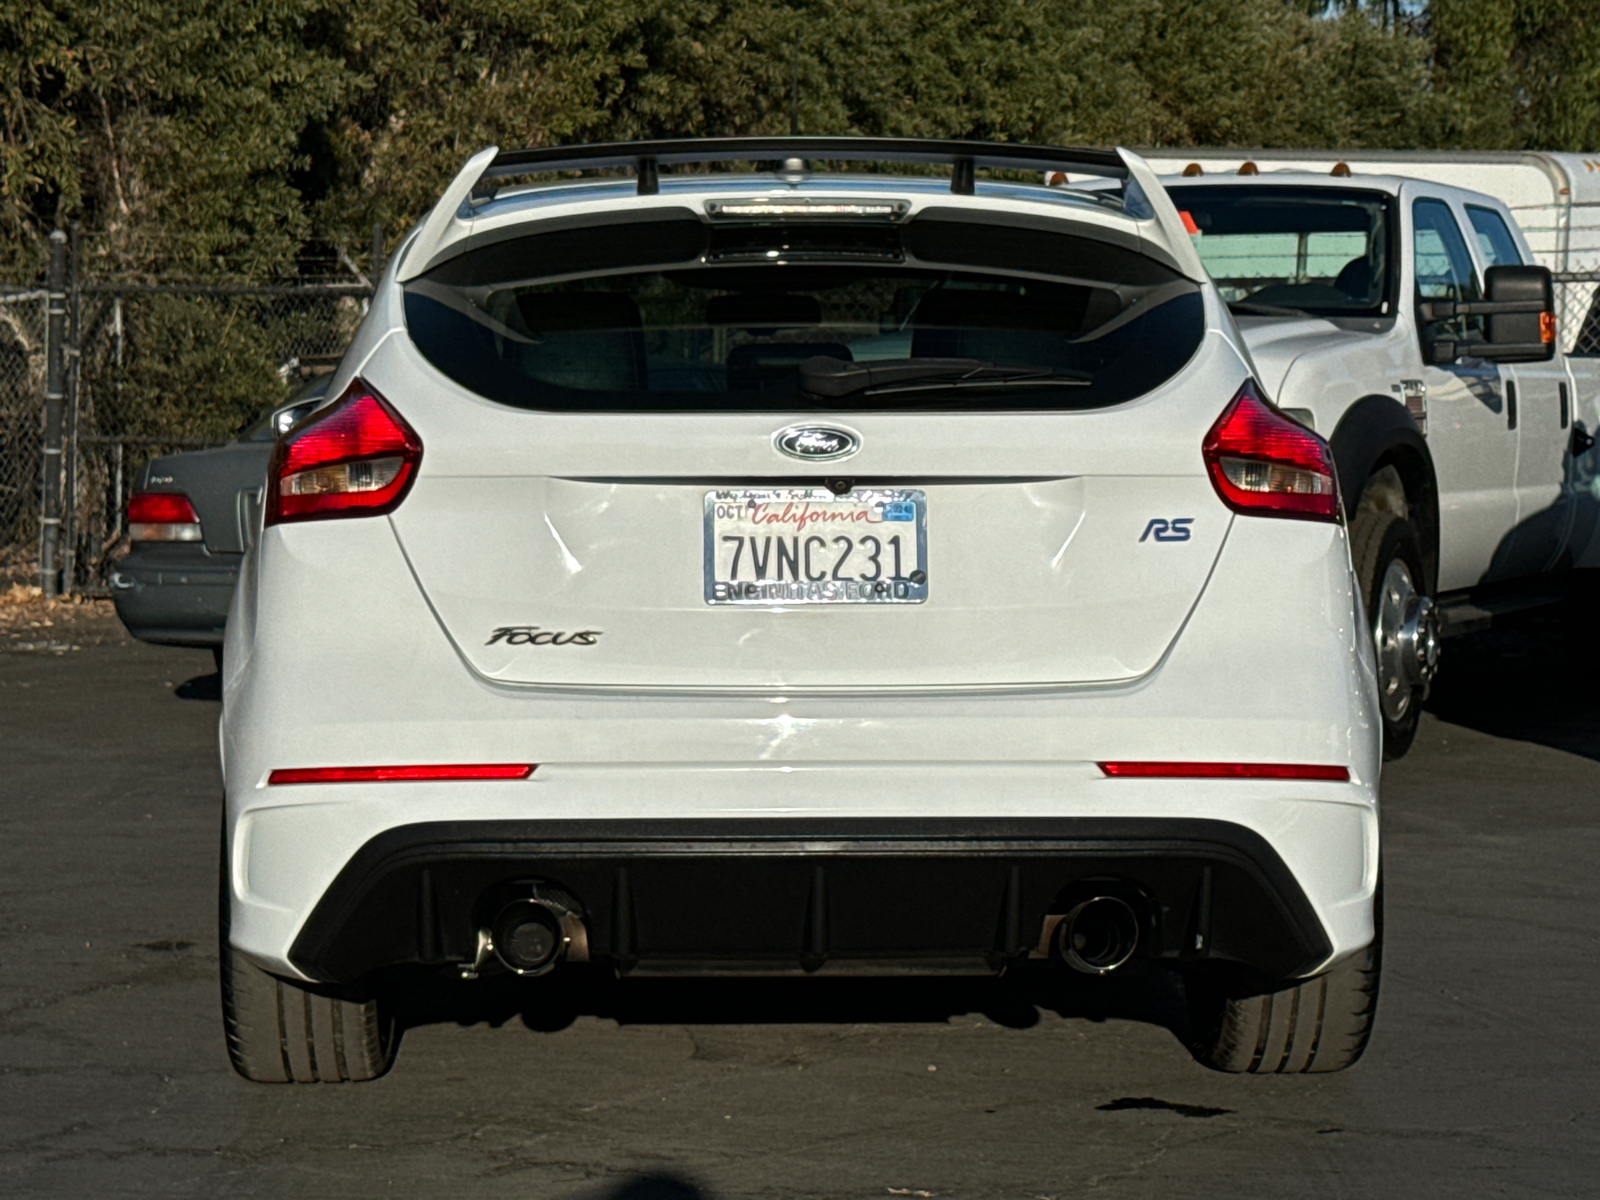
(142, 370)
(164, 368)
(22, 371)
(1578, 311)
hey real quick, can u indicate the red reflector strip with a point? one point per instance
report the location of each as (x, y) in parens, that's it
(1219, 770)
(394, 774)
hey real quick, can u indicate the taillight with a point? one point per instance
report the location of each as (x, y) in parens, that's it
(355, 459)
(1262, 462)
(162, 517)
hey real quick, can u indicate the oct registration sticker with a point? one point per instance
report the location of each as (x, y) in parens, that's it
(809, 546)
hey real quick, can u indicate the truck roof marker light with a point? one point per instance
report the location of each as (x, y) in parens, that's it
(162, 517)
(1225, 770)
(1192, 170)
(1249, 168)
(355, 458)
(1341, 170)
(400, 774)
(1264, 464)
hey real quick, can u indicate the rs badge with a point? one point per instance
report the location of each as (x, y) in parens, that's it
(1163, 530)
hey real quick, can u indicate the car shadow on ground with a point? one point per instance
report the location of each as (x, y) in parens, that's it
(1525, 679)
(1142, 992)
(201, 687)
(653, 1187)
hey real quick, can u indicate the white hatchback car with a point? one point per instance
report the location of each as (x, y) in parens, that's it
(707, 561)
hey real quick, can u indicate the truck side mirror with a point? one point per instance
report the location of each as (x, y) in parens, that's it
(1527, 332)
(1520, 312)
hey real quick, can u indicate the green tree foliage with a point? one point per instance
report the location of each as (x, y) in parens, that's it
(207, 139)
(1518, 74)
(171, 127)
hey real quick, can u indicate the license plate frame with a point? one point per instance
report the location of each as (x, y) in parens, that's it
(811, 512)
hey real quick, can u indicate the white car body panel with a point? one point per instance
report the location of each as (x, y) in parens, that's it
(363, 641)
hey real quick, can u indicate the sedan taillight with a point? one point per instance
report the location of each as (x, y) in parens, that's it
(162, 517)
(1263, 463)
(356, 458)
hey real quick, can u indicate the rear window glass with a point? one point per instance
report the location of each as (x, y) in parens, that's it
(1272, 250)
(680, 314)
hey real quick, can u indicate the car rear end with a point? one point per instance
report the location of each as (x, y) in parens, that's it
(798, 572)
(190, 517)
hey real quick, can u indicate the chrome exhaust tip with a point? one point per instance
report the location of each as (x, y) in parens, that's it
(530, 936)
(1098, 936)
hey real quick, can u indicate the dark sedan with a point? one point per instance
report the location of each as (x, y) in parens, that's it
(190, 519)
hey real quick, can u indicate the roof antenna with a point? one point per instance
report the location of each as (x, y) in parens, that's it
(794, 100)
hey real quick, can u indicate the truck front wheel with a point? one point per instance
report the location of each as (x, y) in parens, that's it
(1387, 556)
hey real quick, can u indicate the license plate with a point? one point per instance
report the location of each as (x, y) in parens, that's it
(809, 546)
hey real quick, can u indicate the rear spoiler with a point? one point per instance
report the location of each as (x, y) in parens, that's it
(1141, 196)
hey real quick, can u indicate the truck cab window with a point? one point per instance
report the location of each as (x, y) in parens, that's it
(1443, 270)
(1494, 239)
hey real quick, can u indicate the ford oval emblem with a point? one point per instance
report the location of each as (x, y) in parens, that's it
(816, 443)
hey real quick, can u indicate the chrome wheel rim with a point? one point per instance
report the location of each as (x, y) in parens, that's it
(1405, 631)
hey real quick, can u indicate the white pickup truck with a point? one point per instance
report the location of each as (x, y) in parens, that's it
(1406, 322)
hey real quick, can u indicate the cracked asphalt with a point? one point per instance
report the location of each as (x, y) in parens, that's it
(1481, 1080)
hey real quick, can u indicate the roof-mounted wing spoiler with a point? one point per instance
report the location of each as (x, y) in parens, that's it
(645, 160)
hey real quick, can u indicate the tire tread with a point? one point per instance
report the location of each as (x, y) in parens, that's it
(1242, 1025)
(281, 1032)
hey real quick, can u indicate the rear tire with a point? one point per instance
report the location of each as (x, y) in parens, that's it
(1387, 556)
(283, 1032)
(1242, 1023)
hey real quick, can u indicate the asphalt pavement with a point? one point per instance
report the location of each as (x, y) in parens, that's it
(1481, 1080)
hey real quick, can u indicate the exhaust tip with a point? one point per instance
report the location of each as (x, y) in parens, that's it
(1098, 936)
(528, 937)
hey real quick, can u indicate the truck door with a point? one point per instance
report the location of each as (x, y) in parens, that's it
(1470, 431)
(1539, 403)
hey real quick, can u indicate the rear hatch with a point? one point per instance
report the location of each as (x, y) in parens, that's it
(941, 454)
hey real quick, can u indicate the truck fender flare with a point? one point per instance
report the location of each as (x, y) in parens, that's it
(1377, 432)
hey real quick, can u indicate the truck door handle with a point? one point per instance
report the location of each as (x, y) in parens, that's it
(1511, 404)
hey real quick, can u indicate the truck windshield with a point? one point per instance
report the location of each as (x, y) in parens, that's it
(1324, 251)
(680, 314)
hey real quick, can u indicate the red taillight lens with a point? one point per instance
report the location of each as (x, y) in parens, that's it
(355, 459)
(1225, 770)
(162, 517)
(1262, 462)
(400, 774)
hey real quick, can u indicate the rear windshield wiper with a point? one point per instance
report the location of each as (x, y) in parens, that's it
(1248, 309)
(834, 378)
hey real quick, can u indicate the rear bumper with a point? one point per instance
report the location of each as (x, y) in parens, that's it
(172, 601)
(804, 896)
